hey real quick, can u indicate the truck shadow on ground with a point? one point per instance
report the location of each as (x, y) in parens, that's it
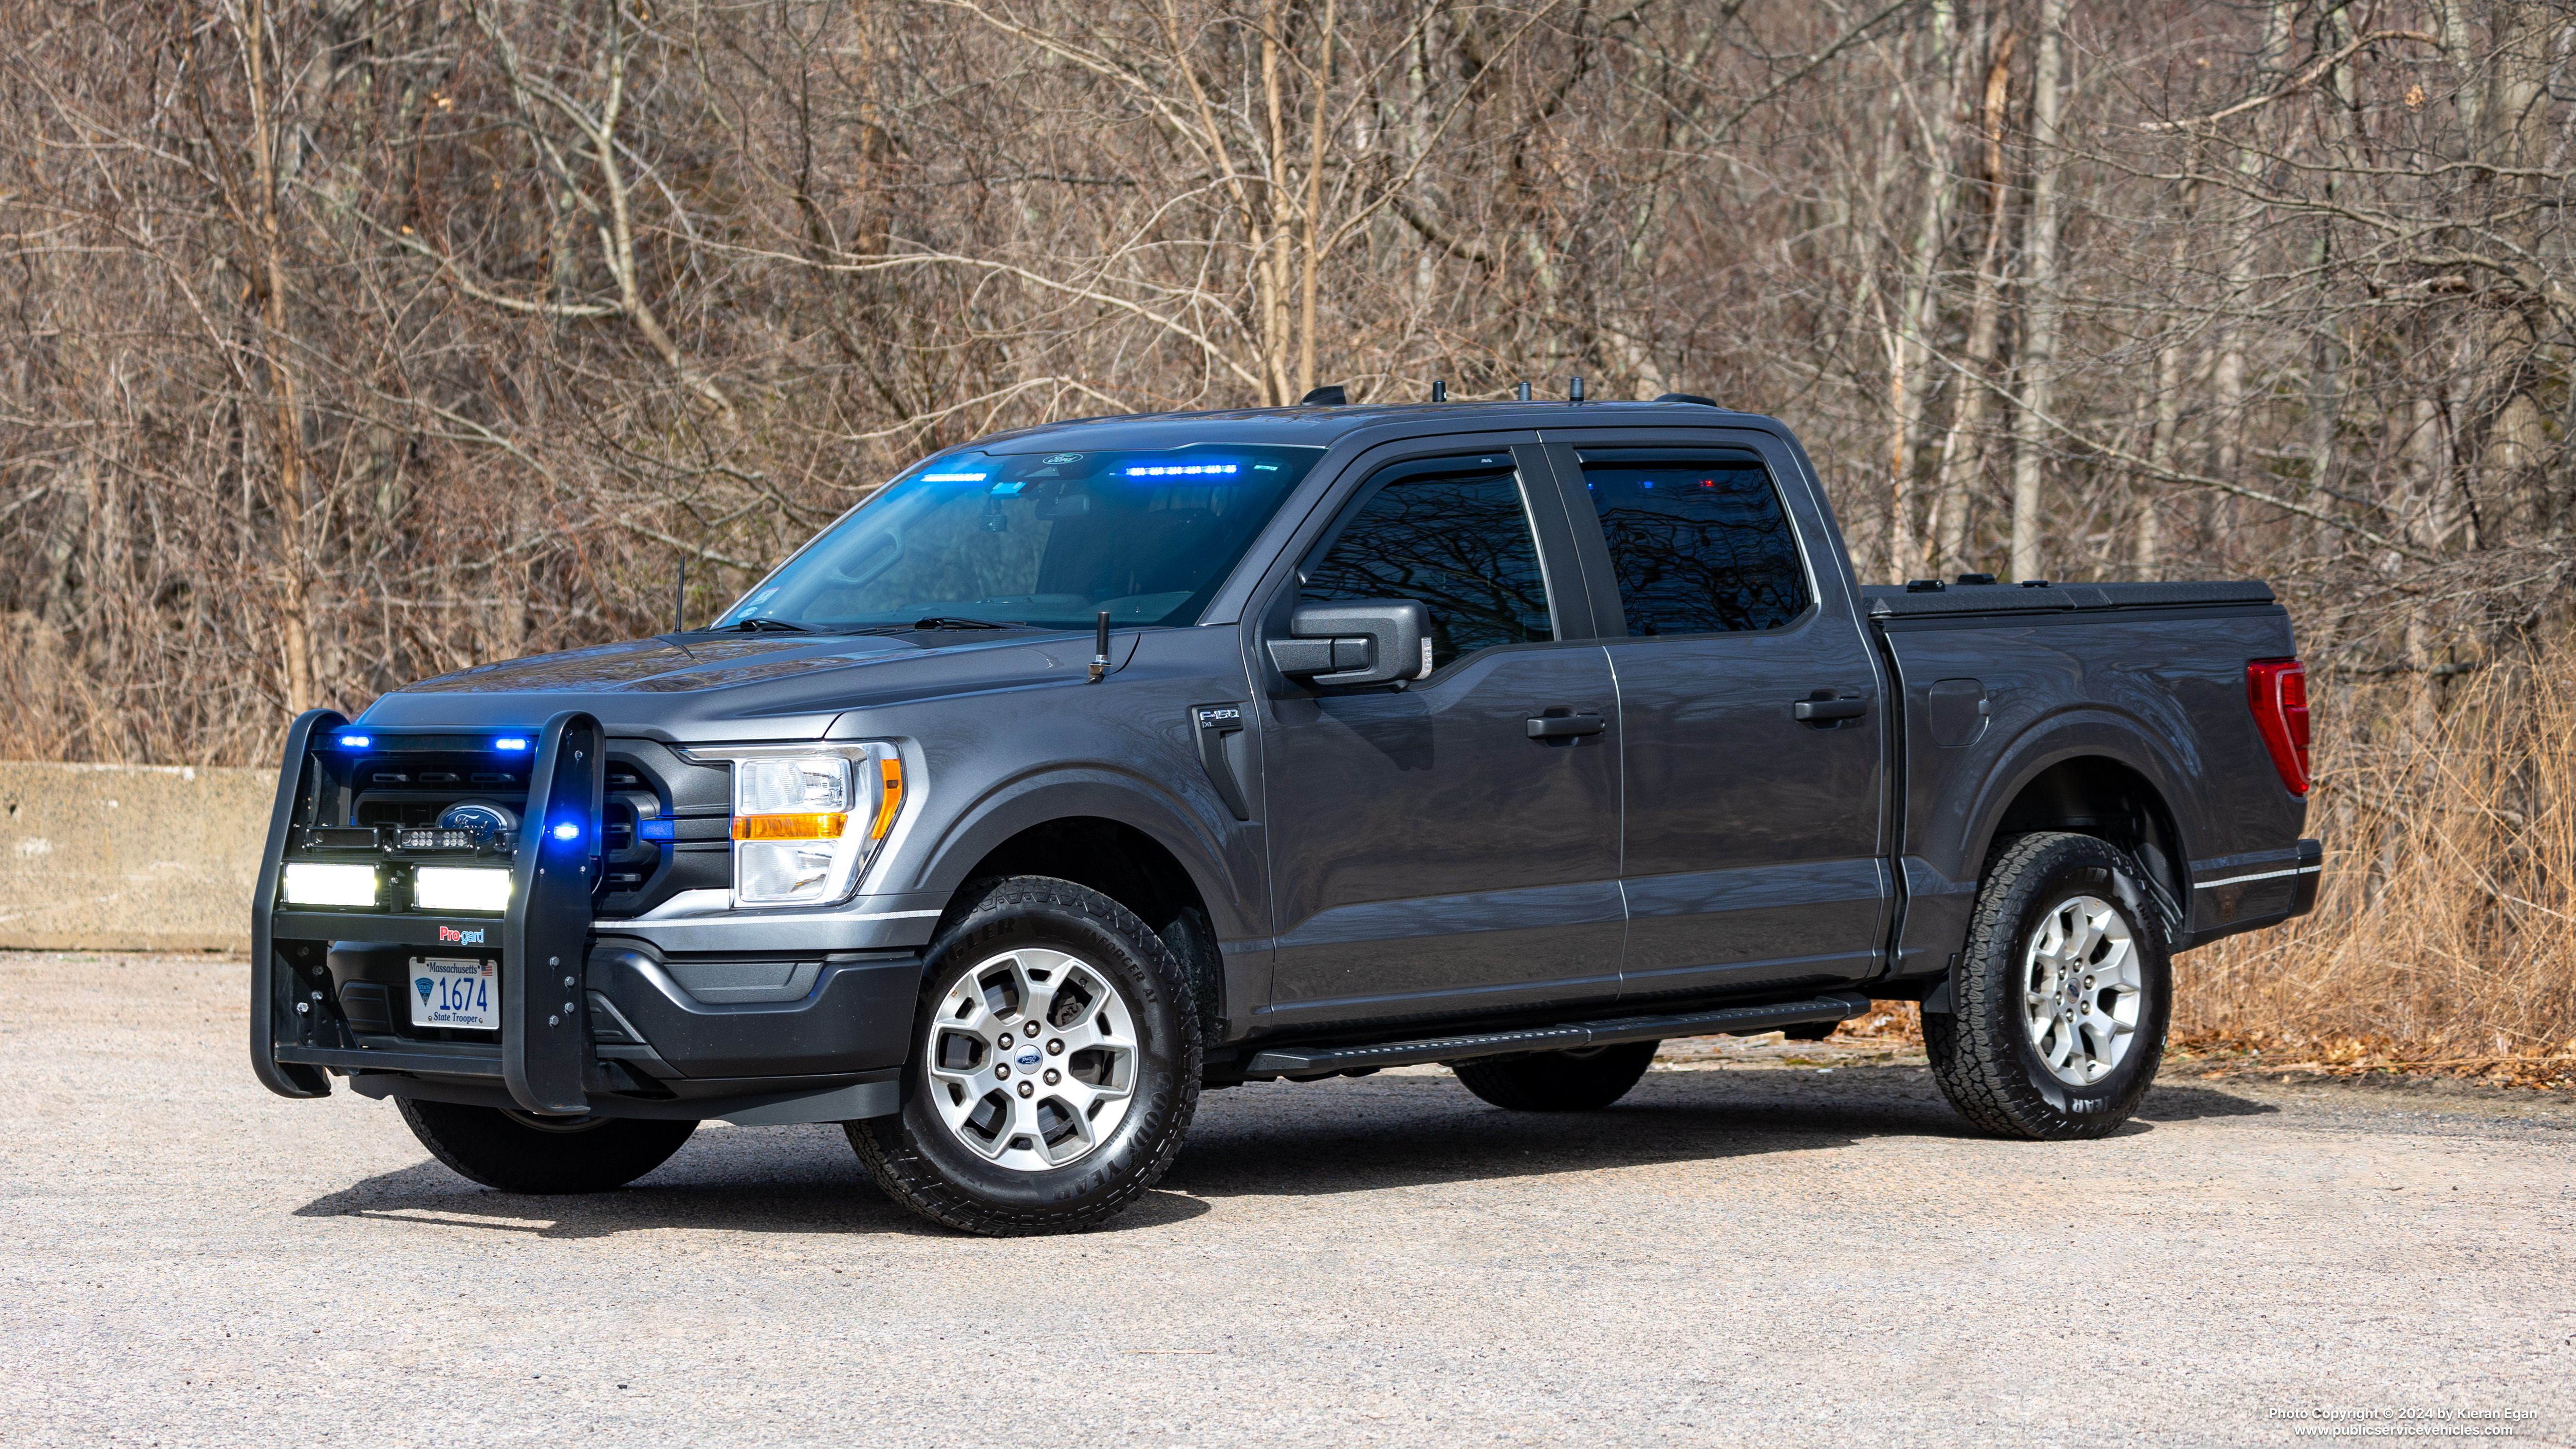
(1272, 1141)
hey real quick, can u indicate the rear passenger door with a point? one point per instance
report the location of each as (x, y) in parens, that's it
(1751, 851)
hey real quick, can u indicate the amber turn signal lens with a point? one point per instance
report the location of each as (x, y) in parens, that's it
(890, 799)
(824, 826)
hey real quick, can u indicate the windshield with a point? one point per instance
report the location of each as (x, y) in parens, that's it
(1047, 540)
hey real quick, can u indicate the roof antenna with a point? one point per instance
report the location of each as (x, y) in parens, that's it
(1524, 392)
(1099, 648)
(1439, 390)
(680, 599)
(1574, 394)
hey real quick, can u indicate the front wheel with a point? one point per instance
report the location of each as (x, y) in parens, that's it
(1559, 1081)
(521, 1152)
(2059, 1004)
(1054, 1070)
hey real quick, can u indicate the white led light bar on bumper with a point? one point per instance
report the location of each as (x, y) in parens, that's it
(807, 819)
(314, 883)
(460, 888)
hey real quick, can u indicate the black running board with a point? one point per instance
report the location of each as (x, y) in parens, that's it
(1326, 1061)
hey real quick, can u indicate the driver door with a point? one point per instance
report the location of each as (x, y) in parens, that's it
(1429, 856)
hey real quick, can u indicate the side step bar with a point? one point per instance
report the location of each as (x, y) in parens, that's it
(1327, 1061)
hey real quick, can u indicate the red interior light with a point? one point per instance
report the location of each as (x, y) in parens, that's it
(2277, 691)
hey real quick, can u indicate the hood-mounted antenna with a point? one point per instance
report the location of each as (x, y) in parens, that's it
(680, 599)
(1099, 648)
(1439, 390)
(1524, 392)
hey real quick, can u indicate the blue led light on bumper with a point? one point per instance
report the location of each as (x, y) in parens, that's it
(510, 742)
(567, 831)
(356, 742)
(658, 830)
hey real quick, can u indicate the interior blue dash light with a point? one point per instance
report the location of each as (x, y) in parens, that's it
(356, 742)
(657, 830)
(567, 831)
(510, 742)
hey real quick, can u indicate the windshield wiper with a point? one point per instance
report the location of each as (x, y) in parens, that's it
(951, 621)
(754, 626)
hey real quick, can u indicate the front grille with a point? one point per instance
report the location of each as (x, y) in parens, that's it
(391, 802)
(649, 780)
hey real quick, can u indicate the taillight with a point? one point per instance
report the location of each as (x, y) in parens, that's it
(2277, 691)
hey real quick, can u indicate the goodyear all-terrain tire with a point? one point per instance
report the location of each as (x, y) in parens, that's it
(1559, 1081)
(517, 1152)
(1054, 1068)
(2061, 999)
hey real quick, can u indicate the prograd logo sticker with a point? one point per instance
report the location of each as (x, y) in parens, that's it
(450, 936)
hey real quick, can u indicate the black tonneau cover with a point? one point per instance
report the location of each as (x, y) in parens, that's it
(1884, 601)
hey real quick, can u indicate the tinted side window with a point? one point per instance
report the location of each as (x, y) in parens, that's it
(1460, 543)
(1700, 546)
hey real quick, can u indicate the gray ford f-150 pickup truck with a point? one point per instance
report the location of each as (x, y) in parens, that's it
(1087, 767)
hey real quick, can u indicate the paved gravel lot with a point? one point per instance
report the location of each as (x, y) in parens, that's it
(1744, 1250)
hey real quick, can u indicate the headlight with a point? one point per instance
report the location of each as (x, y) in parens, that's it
(312, 883)
(458, 888)
(806, 821)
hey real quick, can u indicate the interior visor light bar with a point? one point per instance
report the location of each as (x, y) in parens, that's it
(1178, 470)
(952, 477)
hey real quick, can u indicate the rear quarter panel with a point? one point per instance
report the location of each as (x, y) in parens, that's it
(2159, 691)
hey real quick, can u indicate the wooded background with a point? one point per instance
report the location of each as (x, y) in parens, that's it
(348, 341)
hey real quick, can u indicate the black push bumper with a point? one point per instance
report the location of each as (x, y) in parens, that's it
(585, 1026)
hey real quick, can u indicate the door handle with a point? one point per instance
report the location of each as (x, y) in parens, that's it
(1824, 707)
(1566, 726)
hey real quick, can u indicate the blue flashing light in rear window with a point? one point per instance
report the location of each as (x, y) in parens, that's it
(567, 831)
(953, 477)
(1185, 470)
(657, 830)
(509, 742)
(356, 742)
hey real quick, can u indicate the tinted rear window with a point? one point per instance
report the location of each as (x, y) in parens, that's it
(1700, 545)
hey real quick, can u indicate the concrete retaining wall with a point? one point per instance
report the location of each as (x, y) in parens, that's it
(130, 857)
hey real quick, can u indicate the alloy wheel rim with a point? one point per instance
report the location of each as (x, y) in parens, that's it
(2081, 990)
(1032, 1059)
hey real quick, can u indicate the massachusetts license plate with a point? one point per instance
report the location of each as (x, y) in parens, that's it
(455, 992)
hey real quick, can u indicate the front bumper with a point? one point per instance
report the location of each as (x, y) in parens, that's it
(606, 1026)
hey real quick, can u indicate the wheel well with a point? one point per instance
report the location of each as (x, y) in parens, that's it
(2091, 795)
(1133, 869)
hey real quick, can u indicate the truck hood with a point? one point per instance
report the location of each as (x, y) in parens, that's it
(748, 687)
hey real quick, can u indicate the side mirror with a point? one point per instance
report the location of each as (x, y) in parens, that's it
(1364, 641)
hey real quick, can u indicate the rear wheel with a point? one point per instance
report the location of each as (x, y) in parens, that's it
(2059, 1004)
(522, 1152)
(1055, 1067)
(1583, 1081)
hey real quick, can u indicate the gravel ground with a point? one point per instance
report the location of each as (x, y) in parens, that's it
(1748, 1248)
